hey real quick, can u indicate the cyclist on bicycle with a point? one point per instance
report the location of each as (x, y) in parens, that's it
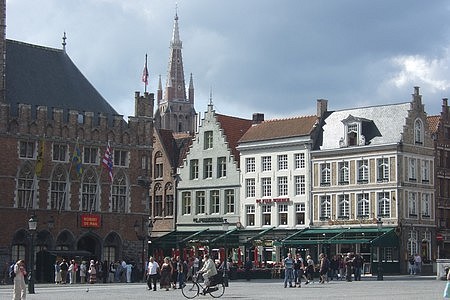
(208, 270)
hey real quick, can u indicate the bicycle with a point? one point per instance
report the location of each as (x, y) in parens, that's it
(192, 289)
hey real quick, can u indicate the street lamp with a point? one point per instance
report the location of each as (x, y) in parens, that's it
(225, 226)
(141, 234)
(32, 225)
(149, 234)
(380, 264)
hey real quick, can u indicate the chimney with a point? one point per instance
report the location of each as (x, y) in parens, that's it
(257, 118)
(322, 106)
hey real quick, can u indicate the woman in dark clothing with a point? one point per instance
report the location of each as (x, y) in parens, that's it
(166, 274)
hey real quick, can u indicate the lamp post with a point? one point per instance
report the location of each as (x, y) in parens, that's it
(380, 263)
(149, 235)
(32, 225)
(141, 234)
(225, 226)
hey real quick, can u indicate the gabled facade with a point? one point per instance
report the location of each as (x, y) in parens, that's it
(439, 127)
(376, 164)
(209, 178)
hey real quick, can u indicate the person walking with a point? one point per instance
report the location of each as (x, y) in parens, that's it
(20, 272)
(447, 286)
(417, 264)
(83, 269)
(72, 272)
(152, 273)
(57, 273)
(348, 267)
(309, 269)
(288, 264)
(92, 272)
(358, 262)
(112, 271)
(323, 268)
(64, 269)
(166, 273)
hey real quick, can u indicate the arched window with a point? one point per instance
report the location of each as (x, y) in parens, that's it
(418, 132)
(168, 205)
(384, 204)
(26, 187)
(158, 200)
(89, 191)
(363, 205)
(325, 207)
(412, 243)
(343, 206)
(119, 193)
(58, 189)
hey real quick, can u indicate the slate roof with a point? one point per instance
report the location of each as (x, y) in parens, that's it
(388, 122)
(42, 76)
(280, 128)
(233, 128)
(433, 123)
(183, 141)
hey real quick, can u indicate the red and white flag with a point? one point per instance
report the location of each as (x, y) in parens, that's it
(145, 72)
(107, 161)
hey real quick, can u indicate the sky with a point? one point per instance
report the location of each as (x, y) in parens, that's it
(275, 57)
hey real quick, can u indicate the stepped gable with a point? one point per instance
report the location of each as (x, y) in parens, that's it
(233, 129)
(387, 121)
(280, 128)
(37, 75)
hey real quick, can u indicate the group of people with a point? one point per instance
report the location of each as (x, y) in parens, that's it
(177, 271)
(415, 264)
(91, 271)
(338, 267)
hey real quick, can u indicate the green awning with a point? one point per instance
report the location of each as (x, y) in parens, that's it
(259, 234)
(190, 237)
(311, 236)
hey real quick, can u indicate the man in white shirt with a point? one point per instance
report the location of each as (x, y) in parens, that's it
(208, 270)
(152, 273)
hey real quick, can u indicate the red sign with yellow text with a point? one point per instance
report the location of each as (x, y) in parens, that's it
(89, 220)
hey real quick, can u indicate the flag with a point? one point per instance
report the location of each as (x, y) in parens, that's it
(107, 161)
(145, 72)
(40, 157)
(76, 158)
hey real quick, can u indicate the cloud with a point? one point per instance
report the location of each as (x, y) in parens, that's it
(430, 72)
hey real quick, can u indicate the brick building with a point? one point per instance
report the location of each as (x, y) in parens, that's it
(54, 132)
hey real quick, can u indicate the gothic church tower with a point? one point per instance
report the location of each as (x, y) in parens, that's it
(175, 111)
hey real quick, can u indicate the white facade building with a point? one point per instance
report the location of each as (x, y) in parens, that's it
(209, 186)
(275, 174)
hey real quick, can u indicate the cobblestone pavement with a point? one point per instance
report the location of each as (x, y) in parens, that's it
(393, 287)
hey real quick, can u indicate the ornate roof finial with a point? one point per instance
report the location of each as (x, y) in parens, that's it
(176, 10)
(210, 96)
(64, 42)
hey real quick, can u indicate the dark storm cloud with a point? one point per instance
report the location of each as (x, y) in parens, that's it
(275, 57)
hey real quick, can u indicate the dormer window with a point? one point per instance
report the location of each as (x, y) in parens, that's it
(352, 134)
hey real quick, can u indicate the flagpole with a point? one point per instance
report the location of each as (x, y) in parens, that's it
(145, 75)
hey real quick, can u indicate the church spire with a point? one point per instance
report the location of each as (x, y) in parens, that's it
(175, 86)
(175, 111)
